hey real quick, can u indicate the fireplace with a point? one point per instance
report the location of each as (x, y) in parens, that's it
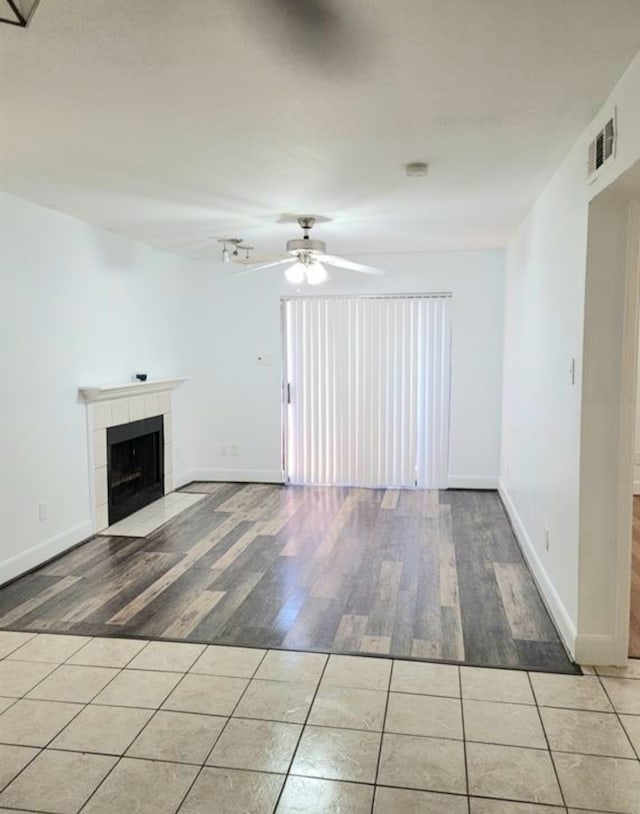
(135, 466)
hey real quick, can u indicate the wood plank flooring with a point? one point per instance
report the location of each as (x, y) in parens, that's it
(428, 575)
(634, 632)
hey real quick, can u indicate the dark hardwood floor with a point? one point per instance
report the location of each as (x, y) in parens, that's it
(434, 575)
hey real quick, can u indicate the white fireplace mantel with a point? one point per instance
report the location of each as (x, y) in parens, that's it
(129, 390)
(115, 404)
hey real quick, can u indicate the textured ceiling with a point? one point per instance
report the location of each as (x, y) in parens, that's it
(172, 121)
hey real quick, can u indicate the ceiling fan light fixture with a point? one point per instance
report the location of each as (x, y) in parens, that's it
(316, 273)
(295, 273)
(307, 259)
(226, 242)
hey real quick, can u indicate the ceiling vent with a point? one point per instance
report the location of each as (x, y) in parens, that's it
(602, 149)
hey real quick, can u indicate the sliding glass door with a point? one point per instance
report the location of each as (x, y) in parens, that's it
(367, 384)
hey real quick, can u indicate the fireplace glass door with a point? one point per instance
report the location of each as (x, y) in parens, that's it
(135, 466)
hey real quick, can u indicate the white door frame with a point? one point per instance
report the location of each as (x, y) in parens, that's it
(627, 441)
(284, 400)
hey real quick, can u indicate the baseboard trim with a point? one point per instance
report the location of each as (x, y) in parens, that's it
(636, 487)
(43, 552)
(183, 479)
(472, 482)
(554, 604)
(235, 475)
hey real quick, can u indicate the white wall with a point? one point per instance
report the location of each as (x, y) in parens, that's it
(78, 306)
(238, 403)
(541, 429)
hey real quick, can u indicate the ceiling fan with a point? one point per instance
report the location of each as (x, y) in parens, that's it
(307, 259)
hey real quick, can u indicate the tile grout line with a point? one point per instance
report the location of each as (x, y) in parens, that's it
(291, 723)
(154, 712)
(119, 758)
(617, 714)
(213, 746)
(546, 738)
(384, 721)
(464, 743)
(303, 728)
(22, 644)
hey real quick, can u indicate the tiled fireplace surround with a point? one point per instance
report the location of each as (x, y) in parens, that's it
(113, 405)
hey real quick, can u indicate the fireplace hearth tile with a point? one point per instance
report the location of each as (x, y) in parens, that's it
(156, 514)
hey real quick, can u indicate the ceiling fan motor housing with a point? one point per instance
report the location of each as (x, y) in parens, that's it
(306, 244)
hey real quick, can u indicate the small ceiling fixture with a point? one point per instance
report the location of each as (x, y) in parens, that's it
(307, 259)
(416, 169)
(235, 243)
(17, 12)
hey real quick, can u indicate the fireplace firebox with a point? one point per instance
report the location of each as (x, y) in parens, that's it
(135, 466)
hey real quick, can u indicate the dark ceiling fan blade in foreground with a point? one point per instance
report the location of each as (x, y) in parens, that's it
(318, 15)
(350, 265)
(319, 31)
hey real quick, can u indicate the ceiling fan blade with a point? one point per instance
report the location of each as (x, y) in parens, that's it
(319, 31)
(261, 266)
(256, 261)
(343, 263)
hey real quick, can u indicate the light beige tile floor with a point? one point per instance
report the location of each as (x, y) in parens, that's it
(105, 726)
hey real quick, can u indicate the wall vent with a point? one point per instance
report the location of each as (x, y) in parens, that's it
(603, 148)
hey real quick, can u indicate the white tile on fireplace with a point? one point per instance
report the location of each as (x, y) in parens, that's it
(100, 485)
(164, 402)
(136, 408)
(151, 405)
(102, 517)
(156, 514)
(168, 428)
(99, 448)
(168, 482)
(120, 412)
(102, 415)
(168, 458)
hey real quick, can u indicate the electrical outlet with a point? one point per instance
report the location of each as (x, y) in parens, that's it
(43, 511)
(223, 452)
(233, 450)
(546, 539)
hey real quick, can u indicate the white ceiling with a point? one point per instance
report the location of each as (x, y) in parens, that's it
(172, 121)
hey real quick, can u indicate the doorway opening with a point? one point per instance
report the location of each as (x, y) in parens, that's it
(607, 422)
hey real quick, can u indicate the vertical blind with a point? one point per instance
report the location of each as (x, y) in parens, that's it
(368, 390)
